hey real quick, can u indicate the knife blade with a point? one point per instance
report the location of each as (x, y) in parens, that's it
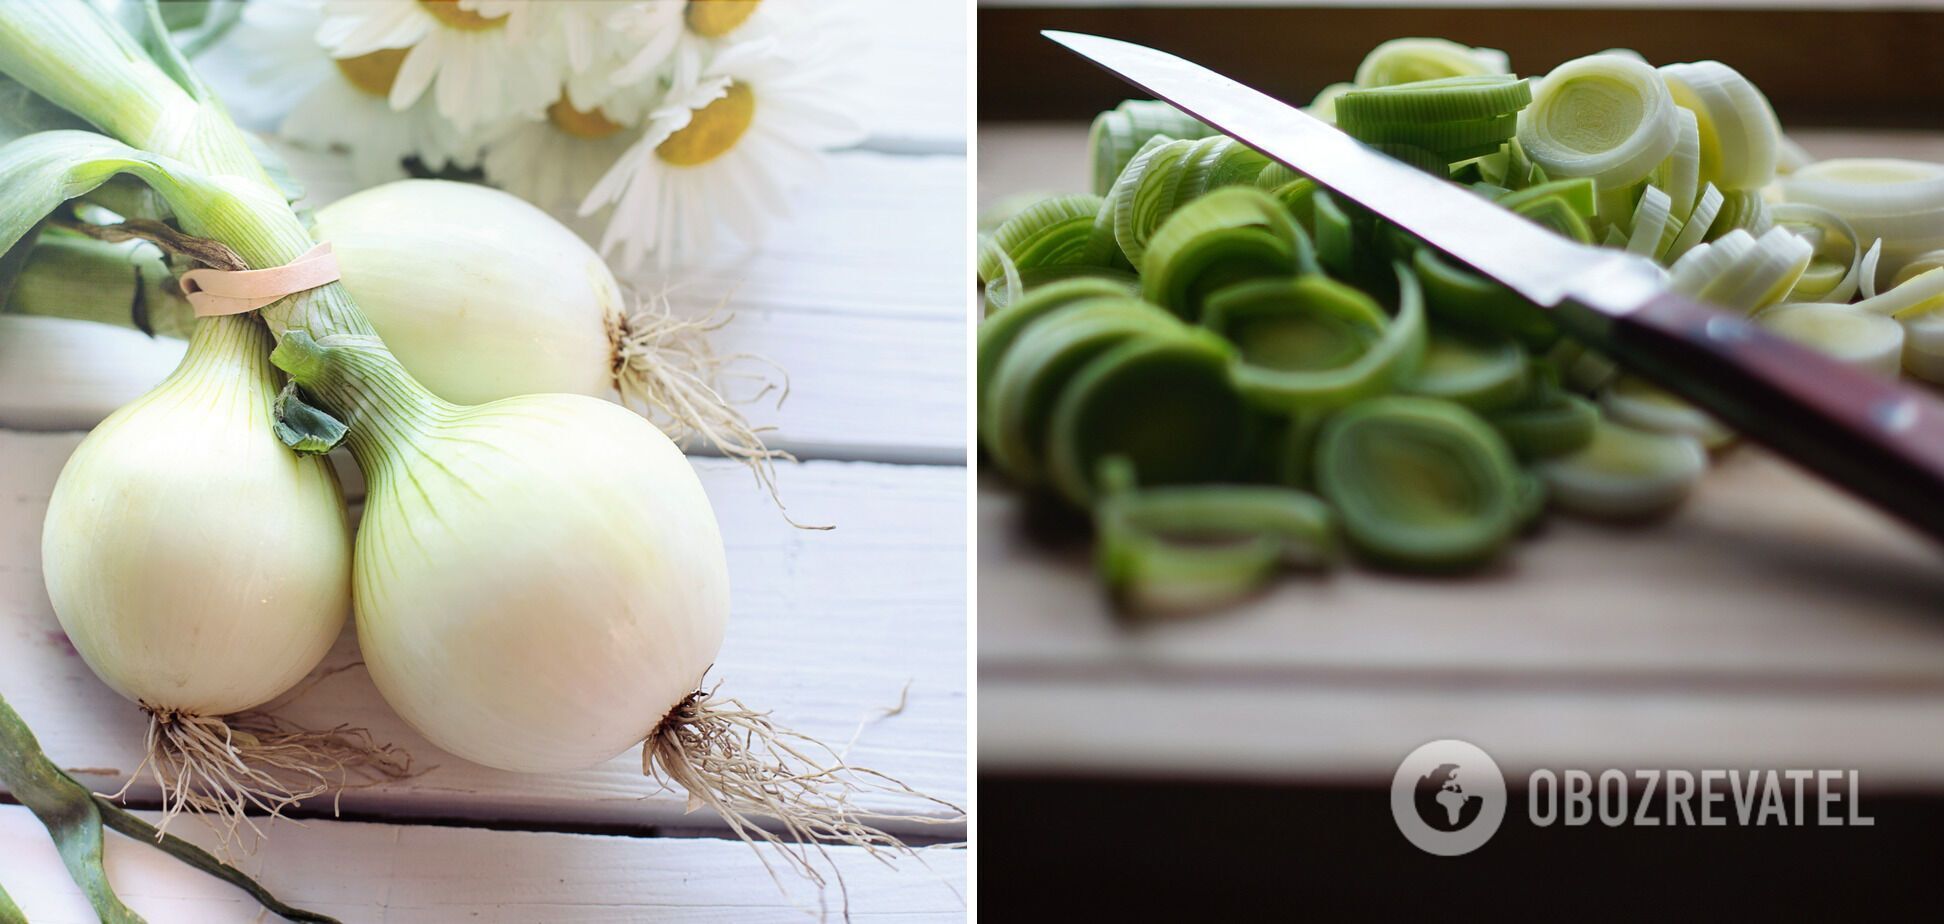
(1882, 441)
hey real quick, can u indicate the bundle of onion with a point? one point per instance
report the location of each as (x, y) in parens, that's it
(538, 581)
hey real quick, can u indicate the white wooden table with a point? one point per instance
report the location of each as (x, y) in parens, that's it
(1772, 622)
(860, 296)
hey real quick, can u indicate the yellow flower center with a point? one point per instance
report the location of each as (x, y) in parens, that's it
(449, 13)
(717, 18)
(590, 124)
(373, 73)
(712, 130)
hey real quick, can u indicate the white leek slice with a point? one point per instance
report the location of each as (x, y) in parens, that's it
(1636, 402)
(1649, 222)
(1838, 255)
(1923, 294)
(1871, 342)
(1790, 156)
(1742, 272)
(1680, 174)
(1923, 354)
(1900, 201)
(1607, 117)
(1918, 265)
(1866, 275)
(1698, 222)
(1740, 138)
(62, 374)
(1408, 60)
(1624, 473)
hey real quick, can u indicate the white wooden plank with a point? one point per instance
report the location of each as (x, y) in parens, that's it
(372, 872)
(915, 73)
(1344, 732)
(858, 297)
(826, 629)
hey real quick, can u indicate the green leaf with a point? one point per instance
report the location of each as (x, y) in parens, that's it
(146, 23)
(303, 427)
(75, 817)
(24, 112)
(218, 17)
(123, 822)
(65, 807)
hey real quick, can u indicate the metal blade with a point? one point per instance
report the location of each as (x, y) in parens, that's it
(1532, 260)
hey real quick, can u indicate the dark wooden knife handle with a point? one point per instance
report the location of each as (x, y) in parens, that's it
(1880, 440)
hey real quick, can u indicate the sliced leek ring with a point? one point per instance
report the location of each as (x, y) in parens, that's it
(1647, 233)
(1036, 369)
(1739, 136)
(1284, 380)
(1919, 295)
(1161, 179)
(1624, 473)
(1420, 482)
(1164, 401)
(999, 293)
(1563, 423)
(1605, 116)
(1923, 355)
(1871, 342)
(1706, 207)
(1470, 98)
(1474, 302)
(1636, 402)
(1482, 373)
(1409, 60)
(1900, 201)
(1741, 272)
(1834, 268)
(1049, 232)
(1323, 106)
(1336, 236)
(1121, 131)
(998, 332)
(1680, 174)
(1232, 234)
(1744, 210)
(1197, 546)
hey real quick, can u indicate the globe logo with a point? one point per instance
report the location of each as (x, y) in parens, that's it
(1442, 801)
(1448, 797)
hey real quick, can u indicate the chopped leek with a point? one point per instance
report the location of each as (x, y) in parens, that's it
(1122, 130)
(1052, 231)
(1636, 402)
(1739, 136)
(1231, 234)
(1420, 482)
(1872, 342)
(1624, 473)
(1282, 328)
(1607, 117)
(1409, 60)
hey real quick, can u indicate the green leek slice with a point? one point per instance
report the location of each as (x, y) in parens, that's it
(1192, 547)
(1159, 181)
(1447, 100)
(1560, 424)
(1456, 137)
(1121, 131)
(1634, 401)
(1469, 300)
(998, 332)
(1036, 369)
(1266, 318)
(999, 293)
(1482, 373)
(1738, 131)
(1164, 401)
(1409, 60)
(1624, 473)
(1049, 232)
(1420, 482)
(1336, 235)
(1607, 117)
(1871, 342)
(1233, 234)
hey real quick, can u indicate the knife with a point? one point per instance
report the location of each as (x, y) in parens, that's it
(1880, 440)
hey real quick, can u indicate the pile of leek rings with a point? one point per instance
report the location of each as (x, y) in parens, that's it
(1236, 372)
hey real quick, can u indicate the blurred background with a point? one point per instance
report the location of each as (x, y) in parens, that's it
(1222, 761)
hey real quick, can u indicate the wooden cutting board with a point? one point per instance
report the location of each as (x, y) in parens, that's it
(1770, 622)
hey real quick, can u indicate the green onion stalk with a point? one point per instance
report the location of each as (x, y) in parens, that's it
(539, 582)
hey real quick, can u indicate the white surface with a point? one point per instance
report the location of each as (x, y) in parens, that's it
(399, 874)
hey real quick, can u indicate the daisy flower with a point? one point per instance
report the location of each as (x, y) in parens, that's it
(271, 66)
(478, 68)
(554, 163)
(723, 149)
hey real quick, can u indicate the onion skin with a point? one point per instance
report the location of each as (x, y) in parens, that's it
(480, 294)
(545, 584)
(197, 564)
